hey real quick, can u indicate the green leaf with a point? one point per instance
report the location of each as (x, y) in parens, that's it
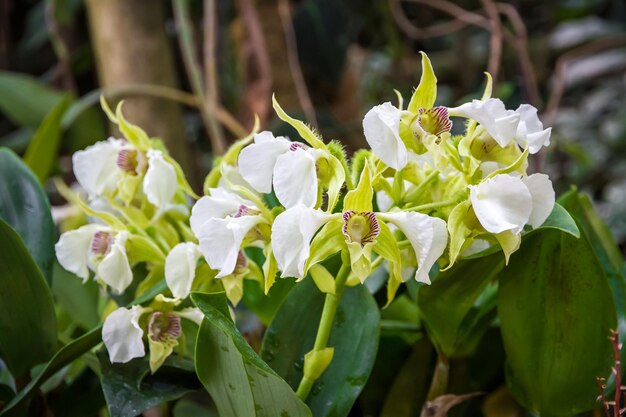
(44, 146)
(556, 312)
(129, 389)
(27, 320)
(562, 220)
(354, 337)
(24, 99)
(237, 379)
(452, 308)
(25, 207)
(425, 94)
(78, 299)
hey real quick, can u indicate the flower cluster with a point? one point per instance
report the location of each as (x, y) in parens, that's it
(422, 196)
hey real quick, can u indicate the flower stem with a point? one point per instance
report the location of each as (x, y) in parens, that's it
(439, 382)
(326, 323)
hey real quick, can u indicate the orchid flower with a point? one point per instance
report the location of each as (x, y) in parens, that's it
(97, 248)
(224, 222)
(289, 166)
(124, 328)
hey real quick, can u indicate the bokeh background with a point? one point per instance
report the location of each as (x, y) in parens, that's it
(195, 72)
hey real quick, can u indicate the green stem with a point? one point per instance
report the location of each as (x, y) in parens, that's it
(326, 323)
(439, 383)
(419, 190)
(435, 205)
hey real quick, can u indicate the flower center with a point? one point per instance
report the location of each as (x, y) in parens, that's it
(434, 121)
(131, 161)
(242, 263)
(101, 243)
(361, 227)
(164, 326)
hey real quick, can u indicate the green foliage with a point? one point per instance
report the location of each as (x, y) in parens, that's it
(27, 320)
(237, 379)
(25, 207)
(354, 337)
(556, 310)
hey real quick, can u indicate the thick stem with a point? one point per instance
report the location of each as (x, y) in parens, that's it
(326, 323)
(439, 383)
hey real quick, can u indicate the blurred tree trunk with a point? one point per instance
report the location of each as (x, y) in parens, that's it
(131, 47)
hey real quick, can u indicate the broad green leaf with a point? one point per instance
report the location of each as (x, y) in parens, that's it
(556, 312)
(425, 94)
(237, 379)
(25, 207)
(25, 100)
(44, 146)
(27, 320)
(452, 308)
(129, 389)
(354, 337)
(78, 299)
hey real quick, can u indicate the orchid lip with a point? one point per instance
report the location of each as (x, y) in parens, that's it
(163, 326)
(435, 120)
(294, 146)
(242, 211)
(360, 227)
(101, 243)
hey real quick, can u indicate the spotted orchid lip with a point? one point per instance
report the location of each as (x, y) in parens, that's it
(243, 210)
(294, 146)
(371, 223)
(164, 325)
(101, 243)
(434, 120)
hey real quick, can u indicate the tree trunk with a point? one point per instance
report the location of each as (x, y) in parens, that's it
(131, 47)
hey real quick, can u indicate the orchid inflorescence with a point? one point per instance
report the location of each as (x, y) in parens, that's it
(422, 196)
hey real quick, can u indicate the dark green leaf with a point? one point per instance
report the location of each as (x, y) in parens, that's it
(78, 299)
(27, 320)
(453, 310)
(354, 337)
(129, 389)
(237, 379)
(24, 99)
(82, 397)
(44, 146)
(556, 312)
(25, 207)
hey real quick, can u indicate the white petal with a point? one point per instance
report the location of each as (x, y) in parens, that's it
(114, 268)
(381, 126)
(122, 334)
(500, 123)
(295, 178)
(256, 161)
(218, 205)
(232, 176)
(292, 232)
(160, 183)
(428, 237)
(180, 268)
(501, 203)
(542, 193)
(96, 168)
(192, 313)
(530, 131)
(73, 248)
(220, 241)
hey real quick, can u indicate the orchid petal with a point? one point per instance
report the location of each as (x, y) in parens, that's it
(122, 334)
(292, 232)
(218, 205)
(500, 123)
(96, 168)
(114, 269)
(257, 160)
(502, 203)
(295, 178)
(381, 126)
(543, 198)
(73, 249)
(530, 131)
(160, 183)
(180, 268)
(191, 313)
(220, 241)
(428, 236)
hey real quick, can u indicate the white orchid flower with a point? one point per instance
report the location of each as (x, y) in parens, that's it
(100, 249)
(96, 168)
(381, 126)
(160, 183)
(122, 333)
(428, 237)
(289, 166)
(505, 126)
(221, 221)
(180, 268)
(294, 229)
(506, 202)
(292, 232)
